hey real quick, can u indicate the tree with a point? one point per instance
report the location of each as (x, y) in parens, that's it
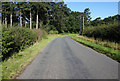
(41, 11)
(5, 12)
(108, 20)
(46, 15)
(30, 6)
(26, 10)
(30, 19)
(87, 16)
(20, 8)
(37, 6)
(12, 5)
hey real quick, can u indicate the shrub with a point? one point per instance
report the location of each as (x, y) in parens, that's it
(16, 39)
(108, 32)
(44, 34)
(53, 32)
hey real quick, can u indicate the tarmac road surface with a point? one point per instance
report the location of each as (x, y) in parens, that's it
(64, 58)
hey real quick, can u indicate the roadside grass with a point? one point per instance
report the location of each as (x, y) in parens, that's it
(16, 63)
(105, 43)
(100, 46)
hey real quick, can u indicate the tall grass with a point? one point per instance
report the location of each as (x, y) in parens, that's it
(100, 46)
(105, 43)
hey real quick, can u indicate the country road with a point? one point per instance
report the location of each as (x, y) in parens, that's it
(64, 58)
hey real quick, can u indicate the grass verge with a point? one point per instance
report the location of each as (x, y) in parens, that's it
(15, 64)
(111, 52)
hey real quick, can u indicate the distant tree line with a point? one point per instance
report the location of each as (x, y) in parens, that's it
(105, 21)
(105, 29)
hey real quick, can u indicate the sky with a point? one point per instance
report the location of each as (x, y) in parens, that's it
(90, 0)
(97, 9)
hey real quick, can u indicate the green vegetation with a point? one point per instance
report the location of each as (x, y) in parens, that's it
(97, 45)
(27, 27)
(105, 43)
(105, 32)
(105, 36)
(15, 64)
(109, 20)
(16, 39)
(26, 23)
(20, 29)
(54, 17)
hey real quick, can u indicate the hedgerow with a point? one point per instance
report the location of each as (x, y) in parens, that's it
(106, 32)
(16, 39)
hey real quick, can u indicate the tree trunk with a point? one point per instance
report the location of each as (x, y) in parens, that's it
(30, 20)
(25, 21)
(80, 26)
(20, 20)
(37, 21)
(83, 23)
(5, 22)
(0, 22)
(11, 20)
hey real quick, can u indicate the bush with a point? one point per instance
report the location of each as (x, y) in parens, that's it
(108, 32)
(53, 32)
(16, 39)
(44, 34)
